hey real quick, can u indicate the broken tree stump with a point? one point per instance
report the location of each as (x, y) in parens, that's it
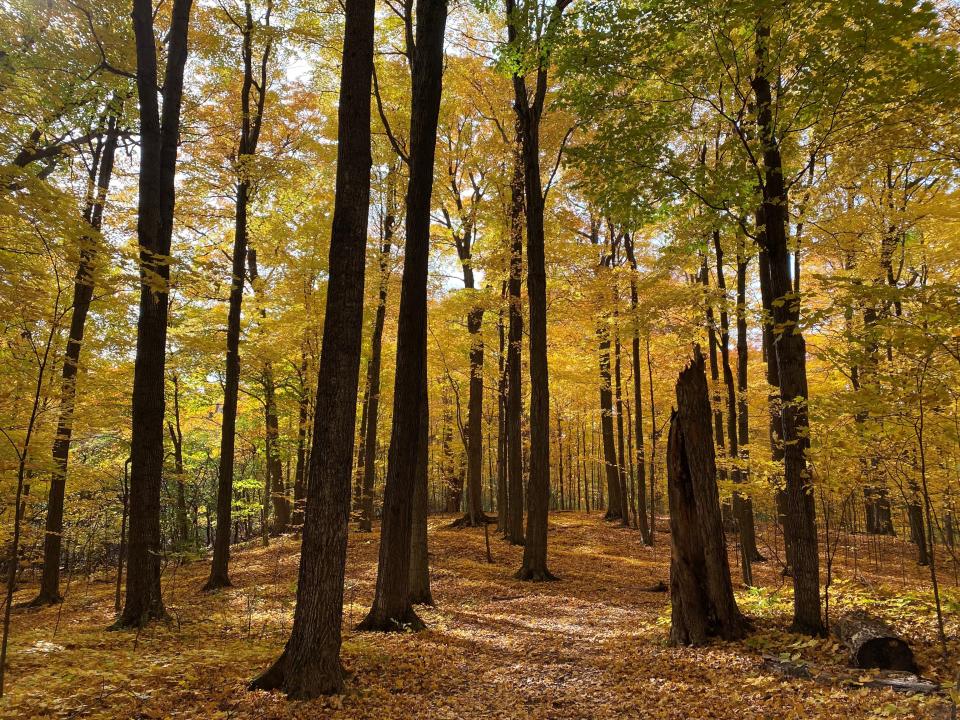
(872, 643)
(701, 593)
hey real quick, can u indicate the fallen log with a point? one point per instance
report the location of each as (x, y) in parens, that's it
(895, 680)
(872, 643)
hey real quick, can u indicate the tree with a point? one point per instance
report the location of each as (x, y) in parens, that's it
(82, 295)
(253, 95)
(391, 608)
(159, 136)
(530, 33)
(310, 663)
(701, 593)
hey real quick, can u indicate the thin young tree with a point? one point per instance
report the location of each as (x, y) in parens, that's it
(100, 176)
(253, 94)
(533, 26)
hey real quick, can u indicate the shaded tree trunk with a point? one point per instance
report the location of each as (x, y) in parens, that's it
(303, 408)
(310, 663)
(621, 455)
(742, 505)
(159, 135)
(700, 589)
(789, 349)
(514, 527)
(82, 295)
(419, 556)
(176, 438)
(637, 394)
(391, 609)
(614, 506)
(275, 486)
(372, 409)
(251, 121)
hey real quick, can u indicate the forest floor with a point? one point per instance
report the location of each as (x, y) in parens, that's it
(592, 645)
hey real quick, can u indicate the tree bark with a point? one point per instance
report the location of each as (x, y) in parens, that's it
(614, 506)
(176, 438)
(789, 349)
(391, 609)
(637, 394)
(514, 528)
(159, 135)
(276, 490)
(621, 455)
(701, 592)
(310, 664)
(303, 409)
(372, 410)
(742, 505)
(82, 295)
(419, 556)
(251, 121)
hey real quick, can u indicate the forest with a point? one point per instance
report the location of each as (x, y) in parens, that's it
(480, 359)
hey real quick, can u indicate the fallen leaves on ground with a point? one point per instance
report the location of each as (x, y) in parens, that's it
(590, 646)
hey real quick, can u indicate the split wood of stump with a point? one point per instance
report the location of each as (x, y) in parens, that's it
(701, 592)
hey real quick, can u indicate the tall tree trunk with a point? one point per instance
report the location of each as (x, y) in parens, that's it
(391, 609)
(372, 411)
(310, 663)
(621, 455)
(514, 529)
(502, 425)
(637, 394)
(419, 556)
(529, 113)
(654, 433)
(251, 121)
(614, 506)
(159, 135)
(303, 408)
(82, 295)
(748, 540)
(800, 529)
(277, 491)
(711, 326)
(176, 437)
(742, 506)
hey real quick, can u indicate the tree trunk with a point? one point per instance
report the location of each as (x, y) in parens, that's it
(502, 427)
(621, 455)
(251, 120)
(310, 664)
(82, 295)
(278, 494)
(614, 506)
(176, 437)
(742, 506)
(159, 136)
(373, 366)
(654, 434)
(637, 395)
(303, 407)
(514, 529)
(701, 592)
(419, 557)
(391, 608)
(872, 643)
(748, 536)
(789, 349)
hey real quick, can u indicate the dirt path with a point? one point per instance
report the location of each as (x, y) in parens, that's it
(589, 646)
